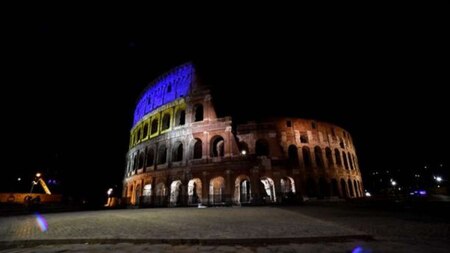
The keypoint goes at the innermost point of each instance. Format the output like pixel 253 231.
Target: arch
pixel 136 162
pixel 177 152
pixel 154 128
pixel 180 117
pixel 354 162
pixel 162 154
pixel 141 160
pixel 262 147
pixel 198 149
pixel 137 198
pixel 344 155
pixel 147 194
pixel 355 186
pixel 306 157
pixel 293 155
pixel 176 193
pixel 216 190
pixel 145 131
pixel 195 191
pixel 334 187
pixel 350 188
pixel 324 188
pixel 287 185
pixel 311 188
pixel 130 195
pixel 243 146
pixel 337 155
pixel 350 160
pixel 344 189
pixel 161 193
pixel 198 112
pixel 318 156
pixel 165 122
pixel 329 156
pixel 269 190
pixel 150 157
pixel 242 189
pixel 217 146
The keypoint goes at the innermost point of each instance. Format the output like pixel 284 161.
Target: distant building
pixel 182 154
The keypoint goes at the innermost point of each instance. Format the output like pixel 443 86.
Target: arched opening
pixel 306 157
pixel 324 188
pixel 242 191
pixel 287 185
pixel 177 152
pixel 268 193
pixel 161 193
pixel 350 160
pixel 145 131
pixel 195 191
pixel 198 149
pixel 198 112
pixel 288 190
pixel 262 147
pixel 311 188
pixel 355 186
pixel 344 155
pixel 138 195
pixel 141 160
pixel 217 147
pixel 217 190
pixel 165 122
pixel 154 129
pixel 130 196
pixel 162 154
pixel 147 194
pixel 350 188
pixel 150 157
pixel 338 157
pixel 176 193
pixel 243 148
pixel 180 118
pixel 318 156
pixel 334 188
pixel 293 155
pixel 329 156
pixel 344 189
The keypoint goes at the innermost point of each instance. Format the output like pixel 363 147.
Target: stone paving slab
pixel 173 223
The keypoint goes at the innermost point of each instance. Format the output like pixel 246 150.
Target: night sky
pixel 70 83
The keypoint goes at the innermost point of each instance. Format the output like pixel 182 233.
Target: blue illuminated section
pixel 168 87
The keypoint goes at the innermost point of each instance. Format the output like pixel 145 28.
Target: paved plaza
pixel 224 229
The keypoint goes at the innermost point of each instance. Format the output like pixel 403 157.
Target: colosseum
pixel 181 153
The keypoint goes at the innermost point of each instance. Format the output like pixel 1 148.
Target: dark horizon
pixel 74 85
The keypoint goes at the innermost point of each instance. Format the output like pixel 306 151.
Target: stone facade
pixel 182 154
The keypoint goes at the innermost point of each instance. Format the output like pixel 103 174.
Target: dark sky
pixel 71 81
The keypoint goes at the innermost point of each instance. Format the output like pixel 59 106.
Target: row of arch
pixel 215 193
pixel 149 157
pixel 347 160
pixel 152 128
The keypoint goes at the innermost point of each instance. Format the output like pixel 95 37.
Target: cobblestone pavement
pixel 172 223
pixel 108 231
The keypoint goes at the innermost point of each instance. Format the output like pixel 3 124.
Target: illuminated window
pixel 180 117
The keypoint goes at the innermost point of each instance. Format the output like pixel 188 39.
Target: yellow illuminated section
pixel 44 186
pixel 137 133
